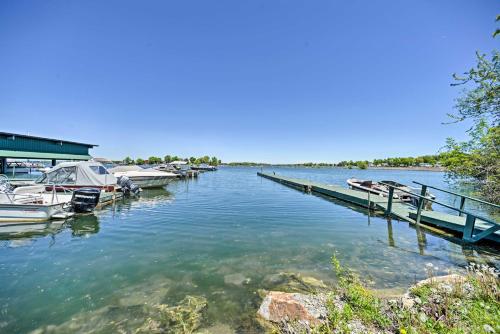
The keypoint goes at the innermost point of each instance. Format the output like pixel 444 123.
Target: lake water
pixel 222 237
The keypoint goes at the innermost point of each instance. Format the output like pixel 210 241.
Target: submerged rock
pixel 217 329
pixel 237 279
pixel 279 306
pixel 294 282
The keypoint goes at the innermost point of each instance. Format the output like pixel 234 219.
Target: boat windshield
pixel 99 170
pixel 65 175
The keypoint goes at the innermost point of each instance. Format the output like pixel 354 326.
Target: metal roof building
pixel 13 145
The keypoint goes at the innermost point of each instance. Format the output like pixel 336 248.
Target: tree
pixel 192 160
pixel 128 161
pixel 139 161
pixel 167 159
pixel 154 160
pixel 214 161
pixel 478 159
pixel 482 101
pixel 362 164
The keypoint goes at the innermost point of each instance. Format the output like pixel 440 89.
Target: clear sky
pixel 261 80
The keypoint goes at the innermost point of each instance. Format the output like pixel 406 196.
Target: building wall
pixel 41 145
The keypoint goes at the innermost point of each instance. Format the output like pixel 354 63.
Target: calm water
pixel 221 236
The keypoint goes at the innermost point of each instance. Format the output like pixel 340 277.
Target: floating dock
pixel 397 208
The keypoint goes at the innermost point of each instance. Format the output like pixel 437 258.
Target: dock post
pixel 3 165
pixel 389 202
pixel 421 201
pixel 470 221
pixel 462 206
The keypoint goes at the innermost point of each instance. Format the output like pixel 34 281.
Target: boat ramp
pixel 469 225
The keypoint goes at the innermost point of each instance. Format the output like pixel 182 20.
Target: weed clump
pixel 447 304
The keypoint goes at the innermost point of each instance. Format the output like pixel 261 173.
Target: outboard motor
pixel 85 200
pixel 128 187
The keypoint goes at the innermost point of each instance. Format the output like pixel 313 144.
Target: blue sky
pixel 274 81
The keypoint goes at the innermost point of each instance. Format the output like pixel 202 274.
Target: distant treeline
pixel 213 161
pixel 421 161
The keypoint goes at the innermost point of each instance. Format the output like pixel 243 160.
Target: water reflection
pixel 27 231
pixel 84 225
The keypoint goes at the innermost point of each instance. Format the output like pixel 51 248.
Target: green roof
pixel 42 155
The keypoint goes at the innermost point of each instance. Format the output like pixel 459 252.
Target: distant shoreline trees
pixel 153 160
pixel 420 161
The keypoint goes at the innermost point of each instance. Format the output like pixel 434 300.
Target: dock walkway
pixel 399 210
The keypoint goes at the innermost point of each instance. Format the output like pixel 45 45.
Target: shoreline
pixel 427 169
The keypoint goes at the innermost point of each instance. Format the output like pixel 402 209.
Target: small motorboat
pixel 144 177
pixel 369 186
pixel 36 204
pixel 401 191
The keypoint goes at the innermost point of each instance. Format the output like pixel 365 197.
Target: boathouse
pixel 18 146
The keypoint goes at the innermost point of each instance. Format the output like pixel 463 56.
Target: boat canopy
pixel 82 173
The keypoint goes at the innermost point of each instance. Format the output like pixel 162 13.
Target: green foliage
pixel 478 159
pixel 467 305
pixel 167 159
pixel 362 164
pixel 192 160
pixel 359 301
pixel 214 161
pixel 154 160
pixel 128 161
pixel 139 161
pixel 482 100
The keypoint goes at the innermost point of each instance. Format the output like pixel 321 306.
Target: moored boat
pixel 401 191
pixel 144 178
pixel 369 186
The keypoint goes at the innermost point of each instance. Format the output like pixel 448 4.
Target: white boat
pixel 79 174
pixel 369 186
pixel 401 191
pixel 144 178
pixel 32 204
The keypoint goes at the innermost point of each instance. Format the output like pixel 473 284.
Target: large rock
pixel 280 307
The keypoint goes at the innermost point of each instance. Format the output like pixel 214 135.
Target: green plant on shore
pixel 459 305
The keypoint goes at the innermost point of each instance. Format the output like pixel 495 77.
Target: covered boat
pixel 144 178
pixel 79 174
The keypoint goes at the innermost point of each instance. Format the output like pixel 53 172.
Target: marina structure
pixel 470 225
pixel 19 146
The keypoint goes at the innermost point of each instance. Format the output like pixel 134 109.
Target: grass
pixel 468 304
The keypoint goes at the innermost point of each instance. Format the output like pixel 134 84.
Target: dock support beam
pixel 421 201
pixel 462 205
pixel 54 162
pixel 3 165
pixel 389 202
pixel 470 221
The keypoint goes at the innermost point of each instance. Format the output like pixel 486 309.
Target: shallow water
pixel 221 237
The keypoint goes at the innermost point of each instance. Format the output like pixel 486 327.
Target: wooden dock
pixel 398 209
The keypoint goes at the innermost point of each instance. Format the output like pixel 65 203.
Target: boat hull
pixel 30 213
pixel 145 182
